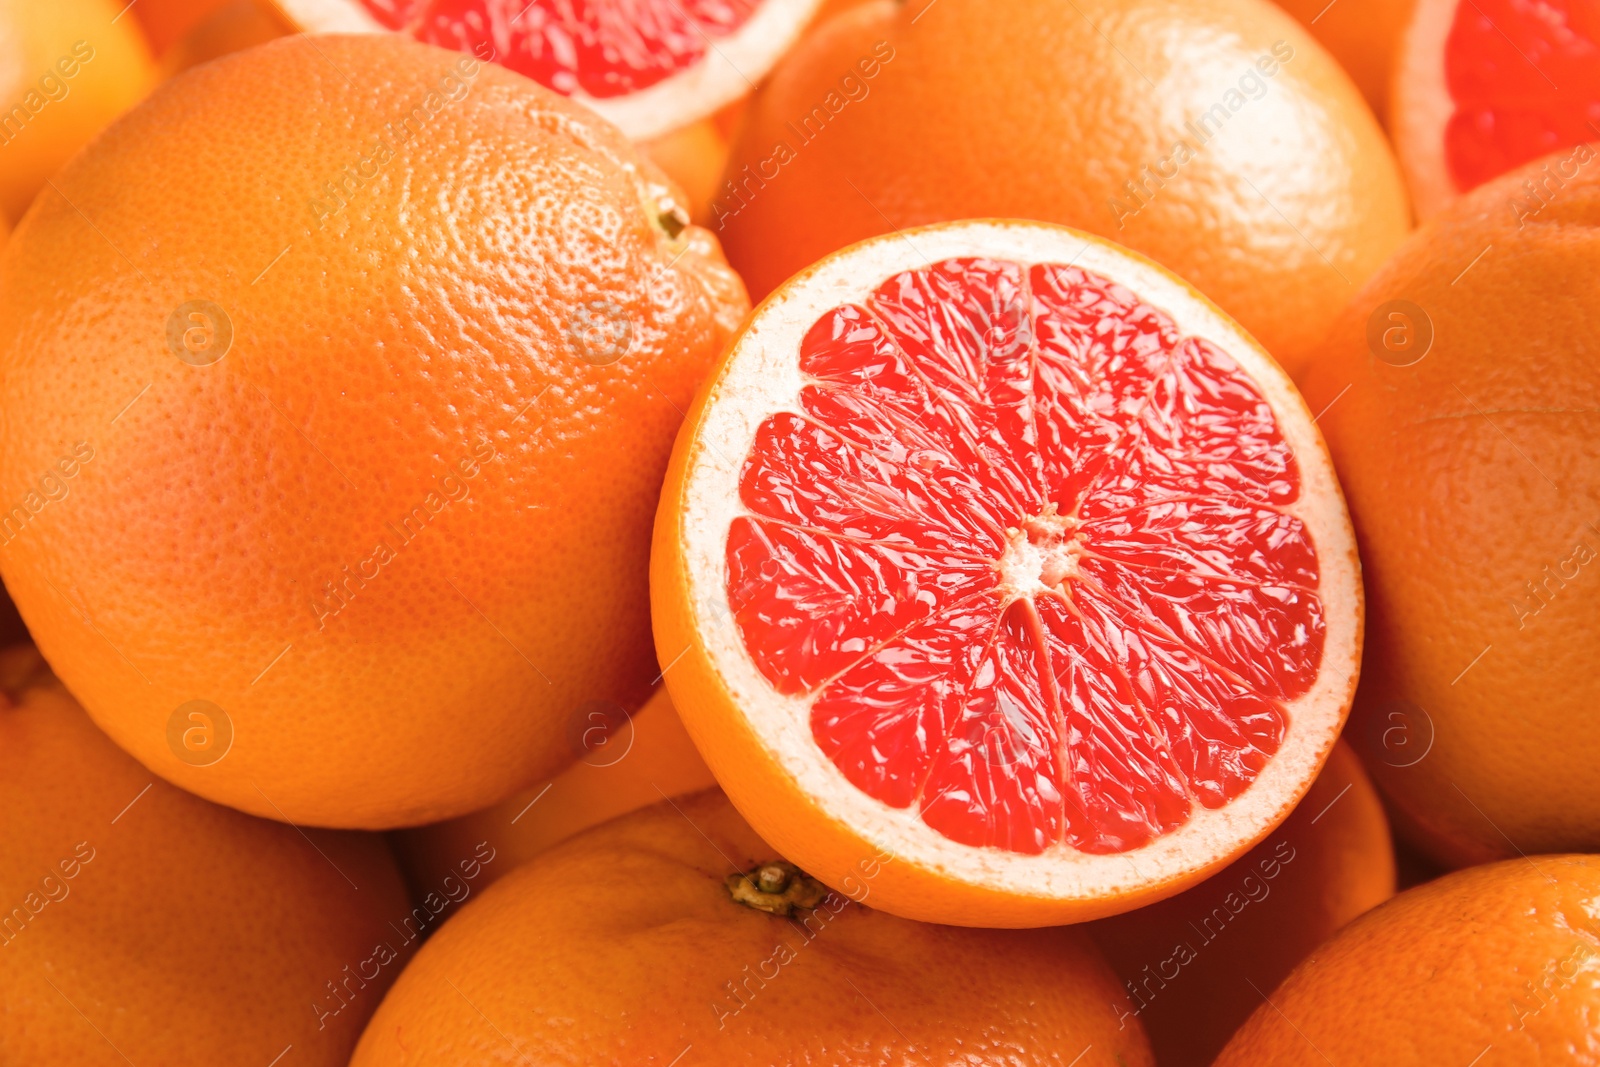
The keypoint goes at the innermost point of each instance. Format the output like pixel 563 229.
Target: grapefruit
pixel 998 549
pixel 1484 86
pixel 362 442
pixel 1195 966
pixel 625 761
pixel 67 68
pixel 1179 128
pixel 650 66
pixel 1461 395
pixel 1498 964
pixel 141 924
pixel 675 935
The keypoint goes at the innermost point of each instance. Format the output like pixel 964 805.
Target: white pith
pixel 732 66
pixel 1421 107
pixel 1040 556
pixel 761 377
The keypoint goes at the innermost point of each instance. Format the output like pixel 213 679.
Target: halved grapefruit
pixel 996 563
pixel 649 66
pixel 1483 86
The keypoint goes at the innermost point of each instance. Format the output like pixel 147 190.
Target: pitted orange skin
pixel 399 531
pixel 954 110
pixel 624 946
pixel 183 932
pixel 1474 488
pixel 1499 958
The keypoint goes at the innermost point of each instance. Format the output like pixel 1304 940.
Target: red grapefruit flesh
pixel 651 66
pixel 602 47
pixel 1047 556
pixel 1485 86
pixel 1146 489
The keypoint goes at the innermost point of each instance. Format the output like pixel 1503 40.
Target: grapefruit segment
pixel 1484 86
pixel 1019 560
pixel 650 66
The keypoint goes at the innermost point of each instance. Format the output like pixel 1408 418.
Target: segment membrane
pixel 604 48
pixel 1025 550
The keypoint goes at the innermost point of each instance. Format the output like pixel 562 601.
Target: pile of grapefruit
pixel 778 532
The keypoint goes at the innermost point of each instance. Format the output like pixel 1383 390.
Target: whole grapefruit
pixel 1215 136
pixel 353 432
pixel 676 935
pixel 1498 964
pixel 141 924
pixel 1461 400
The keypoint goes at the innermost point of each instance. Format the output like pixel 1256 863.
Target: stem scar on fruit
pixel 776 887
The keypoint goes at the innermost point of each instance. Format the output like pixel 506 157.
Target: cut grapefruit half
pixel 1484 86
pixel 999 576
pixel 649 66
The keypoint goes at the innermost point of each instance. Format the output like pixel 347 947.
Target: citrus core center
pixel 1041 555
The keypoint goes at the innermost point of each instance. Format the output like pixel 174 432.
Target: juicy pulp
pixel 1030 556
pixel 1525 79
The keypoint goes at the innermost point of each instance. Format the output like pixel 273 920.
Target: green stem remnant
pixel 776 887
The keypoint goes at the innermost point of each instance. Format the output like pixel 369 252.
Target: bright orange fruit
pixel 140 924
pixel 1000 549
pixel 1461 401
pixel 1500 964
pixel 67 67
pixel 1183 129
pixel 1196 965
pixel 676 936
pixel 362 440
